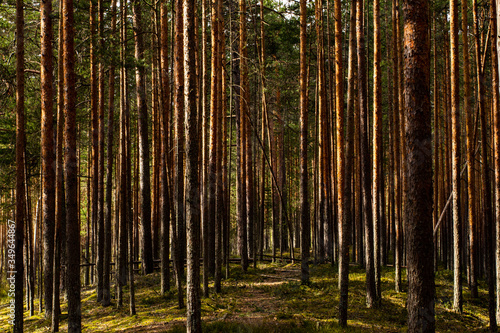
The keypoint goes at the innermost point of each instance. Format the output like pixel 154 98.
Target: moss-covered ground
pixel 270 298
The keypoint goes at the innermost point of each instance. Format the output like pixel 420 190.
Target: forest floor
pixel 270 298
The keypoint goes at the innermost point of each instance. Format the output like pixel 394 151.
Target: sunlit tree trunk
pixel 470 155
pixel 455 159
pixel 418 207
pixel 305 239
pixel 106 288
pixel 377 185
pixel 47 154
pixel 178 71
pixel 178 227
pixel 342 178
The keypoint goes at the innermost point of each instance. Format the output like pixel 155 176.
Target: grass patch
pixel 270 298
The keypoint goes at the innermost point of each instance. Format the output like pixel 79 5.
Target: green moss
pixel 270 298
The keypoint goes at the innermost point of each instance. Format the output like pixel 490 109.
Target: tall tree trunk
pixel 455 159
pixel 377 185
pixel 47 145
pixel 94 109
pixel 397 152
pixel 178 59
pixel 164 184
pixel 106 287
pixel 305 222
pixel 418 208
pixel 71 177
pixel 243 107
pixel 60 213
pixel 20 176
pixel 192 172
pixel 144 175
pixel 342 178
pixel 219 217
pixel 470 155
pixel 488 218
pixel 178 228
pixel 371 295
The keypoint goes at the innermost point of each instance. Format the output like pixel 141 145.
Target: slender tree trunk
pixel 164 184
pixel 179 135
pixel 371 295
pixel 60 213
pixel 455 159
pixel 20 176
pixel 304 186
pixel 192 172
pixel 342 178
pixel 71 180
pixel 144 175
pixel 397 153
pixel 106 287
pixel 488 218
pixel 470 155
pixel 377 184
pixel 178 228
pixel 418 207
pixel 241 95
pixel 47 144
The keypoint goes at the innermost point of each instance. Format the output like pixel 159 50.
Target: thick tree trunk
pixel 71 177
pixel 418 208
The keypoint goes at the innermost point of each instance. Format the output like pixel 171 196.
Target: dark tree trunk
pixel 20 176
pixel 71 177
pixel 418 209
pixel 192 172
pixel 164 185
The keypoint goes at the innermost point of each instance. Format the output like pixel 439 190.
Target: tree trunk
pixel 192 172
pixel 178 228
pixel 144 175
pixel 47 145
pixel 377 185
pixel 342 178
pixel 60 213
pixel 418 208
pixel 20 176
pixel 164 184
pixel 455 159
pixel 106 287
pixel 371 295
pixel 71 177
